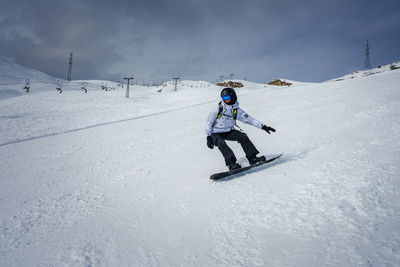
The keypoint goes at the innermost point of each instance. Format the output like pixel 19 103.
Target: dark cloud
pixel 199 39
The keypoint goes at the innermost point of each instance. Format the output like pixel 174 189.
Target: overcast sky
pixel 308 40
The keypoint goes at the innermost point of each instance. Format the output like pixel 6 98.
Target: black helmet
pixel 228 95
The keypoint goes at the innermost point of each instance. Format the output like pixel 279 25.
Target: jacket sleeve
pixel 211 119
pixel 246 118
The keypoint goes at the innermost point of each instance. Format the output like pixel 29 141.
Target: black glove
pixel 210 142
pixel 268 129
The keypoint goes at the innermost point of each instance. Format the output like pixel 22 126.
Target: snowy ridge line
pixel 102 124
pixel 22 83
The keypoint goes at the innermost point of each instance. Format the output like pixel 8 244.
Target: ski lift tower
pixel 127 86
pixel 176 83
pixel 367 63
pixel 69 68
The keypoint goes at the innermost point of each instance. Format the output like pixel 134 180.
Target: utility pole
pixel 367 63
pixel 221 77
pixel 127 86
pixel 176 83
pixel 231 75
pixel 69 68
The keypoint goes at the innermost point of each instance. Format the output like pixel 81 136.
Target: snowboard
pixel 220 175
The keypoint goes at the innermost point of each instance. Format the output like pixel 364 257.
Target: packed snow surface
pixel 97 179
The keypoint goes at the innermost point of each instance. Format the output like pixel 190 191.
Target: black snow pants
pixel 234 135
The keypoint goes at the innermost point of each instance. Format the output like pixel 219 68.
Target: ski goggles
pixel 226 97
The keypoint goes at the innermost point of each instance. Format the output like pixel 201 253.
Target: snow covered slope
pixel 10 72
pixel 183 85
pixel 13 77
pixel 100 180
pixel 365 73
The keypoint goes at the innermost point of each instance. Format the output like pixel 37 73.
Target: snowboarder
pixel 221 126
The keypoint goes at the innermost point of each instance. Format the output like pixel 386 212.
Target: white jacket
pixel 226 122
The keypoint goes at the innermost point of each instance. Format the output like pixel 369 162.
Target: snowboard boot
pixel 254 159
pixel 234 166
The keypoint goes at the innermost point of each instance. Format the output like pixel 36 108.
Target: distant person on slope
pixel 221 126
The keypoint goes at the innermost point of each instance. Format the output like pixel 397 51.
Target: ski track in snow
pixel 90 126
pixel 135 192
